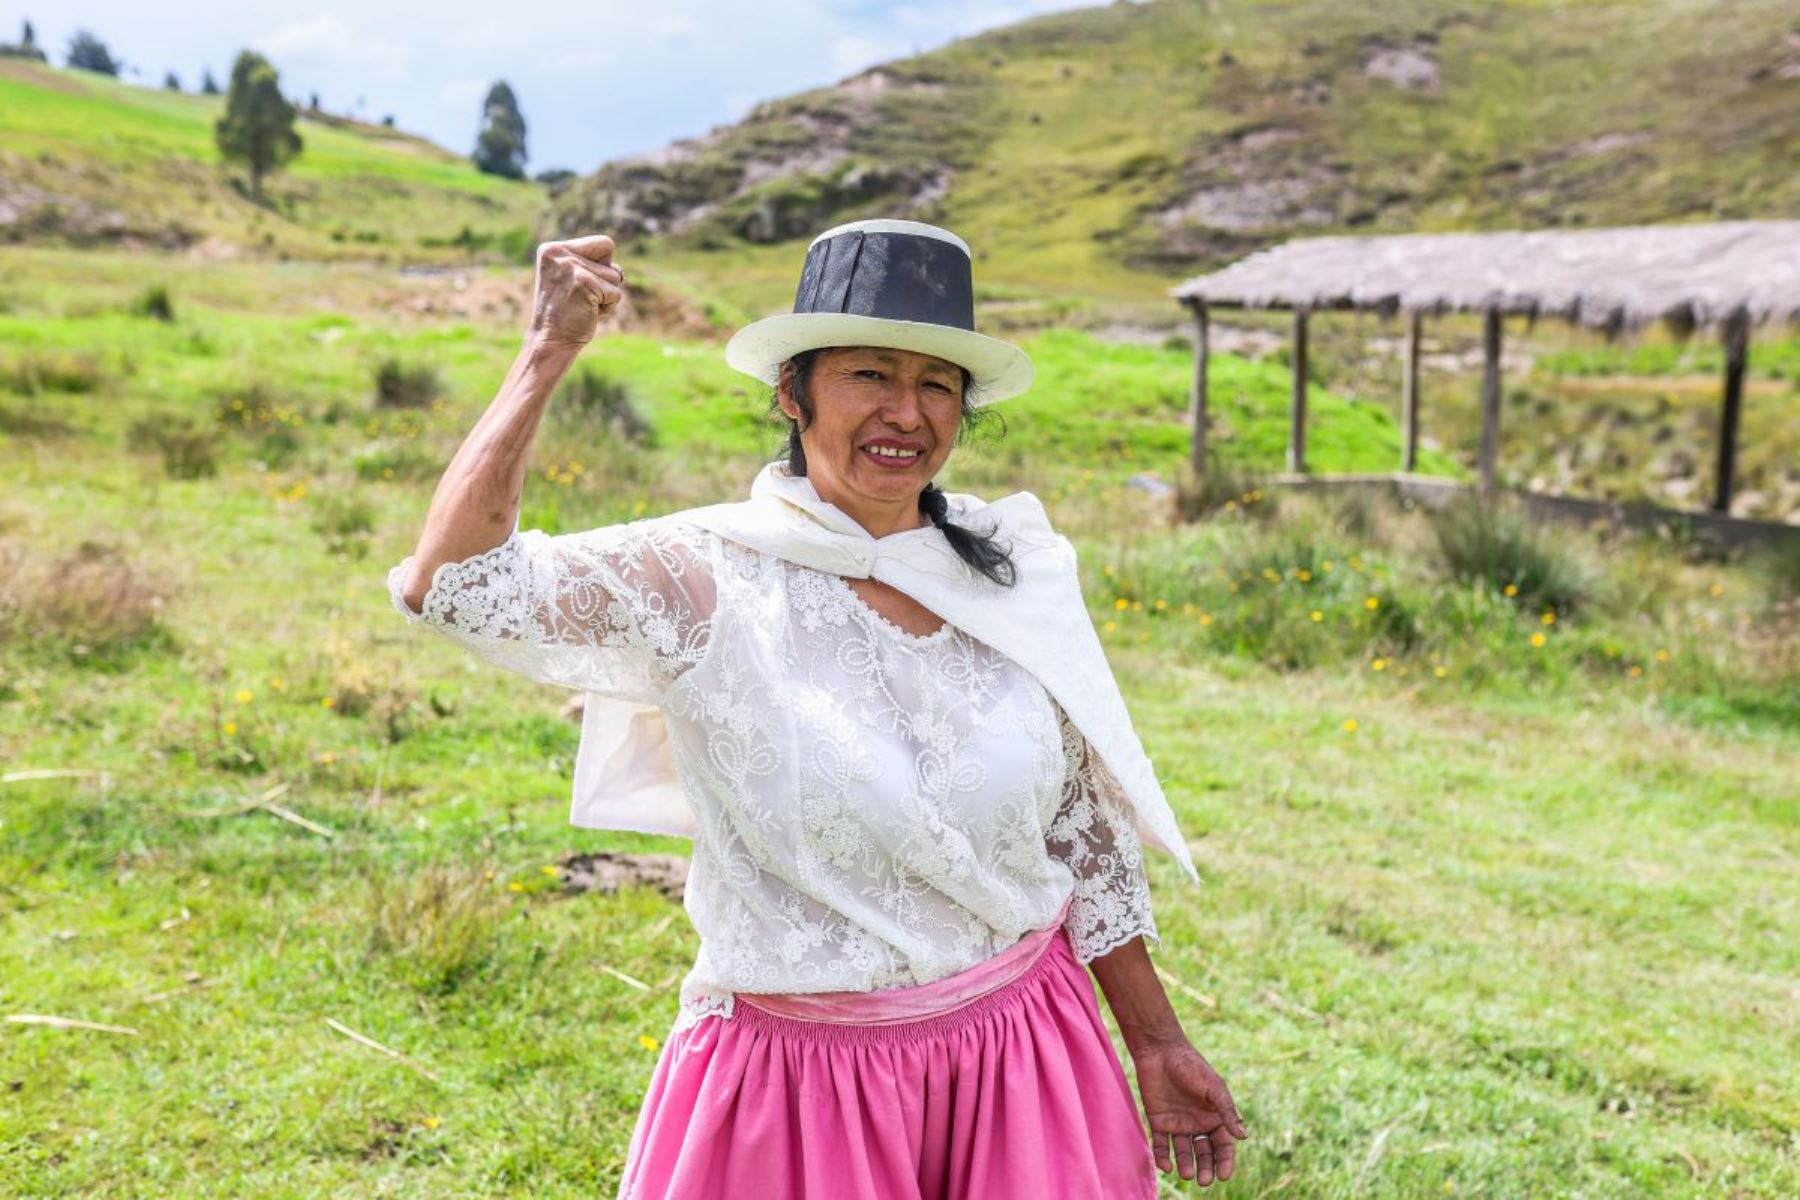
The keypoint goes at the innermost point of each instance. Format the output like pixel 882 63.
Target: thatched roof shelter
pixel 1729 275
pixel 1691 276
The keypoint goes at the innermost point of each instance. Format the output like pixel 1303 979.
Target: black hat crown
pixel 883 269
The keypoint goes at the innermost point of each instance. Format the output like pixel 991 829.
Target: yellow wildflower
pixel 328 702
pixel 1636 671
pixel 1372 603
pixel 1537 639
pixel 326 758
pixel 1717 589
pixel 1109 626
pixel 1379 664
pixel 1511 589
pixel 230 728
pixel 1121 603
pixel 1662 656
pixel 1350 725
pixel 1549 618
pixel 515 886
pixel 1316 615
pixel 1305 576
pixel 549 870
pixel 646 1041
pixel 1206 618
pixel 243 696
pixel 1326 565
pixel 431 1122
pixel 278 684
pixel 1440 672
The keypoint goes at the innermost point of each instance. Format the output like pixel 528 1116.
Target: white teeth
pixel 887 452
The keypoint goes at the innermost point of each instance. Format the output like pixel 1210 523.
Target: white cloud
pixel 326 39
pixel 463 96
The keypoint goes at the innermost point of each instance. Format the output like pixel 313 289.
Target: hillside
pixel 87 160
pixel 1107 150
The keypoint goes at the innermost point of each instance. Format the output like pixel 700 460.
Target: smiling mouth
pixel 893 456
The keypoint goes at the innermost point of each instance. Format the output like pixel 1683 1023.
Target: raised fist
pixel 576 285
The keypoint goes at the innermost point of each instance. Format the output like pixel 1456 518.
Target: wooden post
pixel 1409 398
pixel 1490 404
pixel 1198 404
pixel 1296 455
pixel 1737 355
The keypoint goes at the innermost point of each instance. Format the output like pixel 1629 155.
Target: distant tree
pixel 554 177
pixel 388 120
pixel 314 102
pixel 208 85
pixel 89 53
pixel 171 82
pixel 500 147
pixel 257 128
pixel 25 47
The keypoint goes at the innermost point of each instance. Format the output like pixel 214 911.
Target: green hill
pixel 1108 150
pixel 88 160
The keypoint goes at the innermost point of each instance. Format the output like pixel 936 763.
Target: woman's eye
pixel 869 373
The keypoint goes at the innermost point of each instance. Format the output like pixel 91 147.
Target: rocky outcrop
pixel 790 168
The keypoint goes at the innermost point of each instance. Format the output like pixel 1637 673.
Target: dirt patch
pixel 607 871
pixel 470 295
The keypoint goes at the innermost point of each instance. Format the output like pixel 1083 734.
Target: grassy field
pixel 1498 826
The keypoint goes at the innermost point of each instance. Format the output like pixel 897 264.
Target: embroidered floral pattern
pixel 876 808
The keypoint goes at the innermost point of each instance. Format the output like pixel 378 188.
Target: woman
pixel 881 712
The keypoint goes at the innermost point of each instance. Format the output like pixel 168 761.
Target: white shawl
pixel 625 775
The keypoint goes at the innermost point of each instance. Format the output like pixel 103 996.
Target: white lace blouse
pixel 875 808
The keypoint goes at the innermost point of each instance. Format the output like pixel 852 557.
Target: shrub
pixel 1225 490
pixel 154 303
pixel 273 426
pixel 344 519
pixel 1498 545
pixel 92 603
pixel 594 401
pixel 45 371
pixel 188 452
pixel 398 385
pixel 437 928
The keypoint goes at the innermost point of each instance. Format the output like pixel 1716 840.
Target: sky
pixel 595 81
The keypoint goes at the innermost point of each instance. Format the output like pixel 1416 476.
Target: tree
pixel 500 147
pixel 314 104
pixel 258 126
pixel 26 47
pixel 208 85
pixel 171 82
pixel 89 53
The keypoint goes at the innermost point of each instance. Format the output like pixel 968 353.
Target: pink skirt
pixel 998 1081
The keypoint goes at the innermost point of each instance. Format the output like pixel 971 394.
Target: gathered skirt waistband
pixel 893 1006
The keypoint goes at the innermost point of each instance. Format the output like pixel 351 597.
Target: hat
pixel 898 284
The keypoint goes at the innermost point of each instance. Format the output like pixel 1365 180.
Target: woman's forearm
pixel 1136 997
pixel 476 504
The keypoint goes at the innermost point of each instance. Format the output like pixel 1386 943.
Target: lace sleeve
pixel 1093 835
pixel 622 610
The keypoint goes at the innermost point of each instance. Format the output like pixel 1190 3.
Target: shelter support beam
pixel 1409 397
pixel 1737 357
pixel 1296 455
pixel 1198 406
pixel 1489 455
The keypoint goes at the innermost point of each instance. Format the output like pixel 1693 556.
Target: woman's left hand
pixel 1184 1098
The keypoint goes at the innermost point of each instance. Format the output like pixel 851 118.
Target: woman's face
pixel 868 399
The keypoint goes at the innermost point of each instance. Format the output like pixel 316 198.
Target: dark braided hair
pixel 979 550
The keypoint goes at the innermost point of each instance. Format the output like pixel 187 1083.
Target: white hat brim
pixel 999 370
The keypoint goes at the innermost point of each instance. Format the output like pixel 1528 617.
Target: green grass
pixel 356 190
pixel 1501 916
